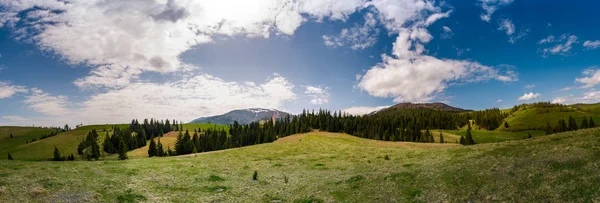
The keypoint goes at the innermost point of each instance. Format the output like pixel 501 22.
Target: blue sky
pixel 111 61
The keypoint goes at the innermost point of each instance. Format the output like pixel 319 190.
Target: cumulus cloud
pixel 185 99
pixel 591 77
pixel 7 90
pixel 122 39
pixel 591 44
pixel 561 45
pixel 530 86
pixel 586 97
pixel 46 103
pixel 529 96
pixel 490 6
pixel 362 110
pixel 410 75
pixel 358 37
pixel 508 26
pixel 318 95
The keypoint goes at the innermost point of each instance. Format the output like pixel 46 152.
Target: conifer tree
pixel 95 150
pixel 591 123
pixel 572 123
pixel 152 149
pixel 462 140
pixel 584 123
pixel 57 155
pixel 548 129
pixel 160 150
pixel 179 144
pixel 441 138
pixel 506 124
pixel 11 136
pixel 122 150
pixel 10 157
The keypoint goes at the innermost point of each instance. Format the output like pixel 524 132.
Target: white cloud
pixel 7 90
pixel 362 110
pixel 122 39
pixel 358 37
pixel 185 99
pixel 47 104
pixel 508 26
pixel 529 96
pixel 562 45
pixel 591 44
pixel 447 33
pixel 586 97
pixel 499 100
pixel 318 95
pixel 14 118
pixel 410 75
pixel 592 79
pixel 490 6
pixel 530 86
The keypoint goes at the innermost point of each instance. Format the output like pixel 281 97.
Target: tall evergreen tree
pixel 57 155
pixel 584 123
pixel 152 149
pixel 122 150
pixel 441 138
pixel 548 129
pixel 506 124
pixel 10 157
pixel 591 123
pixel 160 150
pixel 572 123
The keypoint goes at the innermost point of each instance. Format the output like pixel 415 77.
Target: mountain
pixel 436 106
pixel 242 116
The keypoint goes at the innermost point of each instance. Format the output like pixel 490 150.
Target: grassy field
pixel 20 137
pixel 485 136
pixel 330 168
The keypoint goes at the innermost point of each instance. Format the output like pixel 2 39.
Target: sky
pixel 110 61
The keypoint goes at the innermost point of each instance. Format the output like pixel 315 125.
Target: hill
pixel 536 116
pixel 436 106
pixel 328 167
pixel 242 116
pixel 66 142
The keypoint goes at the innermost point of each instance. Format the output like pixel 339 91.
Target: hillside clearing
pixel 331 168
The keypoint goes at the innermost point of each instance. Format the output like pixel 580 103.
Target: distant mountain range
pixel 242 116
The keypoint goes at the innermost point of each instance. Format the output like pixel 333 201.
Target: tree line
pixel 569 125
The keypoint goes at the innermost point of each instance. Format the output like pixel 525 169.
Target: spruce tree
pixel 95 150
pixel 179 144
pixel 11 136
pixel 505 124
pixel 122 150
pixel 462 140
pixel 160 150
pixel 591 123
pixel 10 157
pixel 152 149
pixel 441 138
pixel 572 123
pixel 584 123
pixel 548 129
pixel 57 155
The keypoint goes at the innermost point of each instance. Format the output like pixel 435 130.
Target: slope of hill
pixel 242 116
pixel 534 117
pixel 328 167
pixel 67 142
pixel 436 106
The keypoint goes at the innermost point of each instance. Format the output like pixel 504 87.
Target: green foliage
pixel 57 156
pixel 152 148
pixel 122 150
pixel 160 150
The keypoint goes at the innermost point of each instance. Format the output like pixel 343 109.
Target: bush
pixel 255 175
pixel 10 157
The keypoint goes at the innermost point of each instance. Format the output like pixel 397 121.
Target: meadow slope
pixel 328 167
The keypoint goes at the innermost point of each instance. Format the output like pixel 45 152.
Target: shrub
pixel 255 175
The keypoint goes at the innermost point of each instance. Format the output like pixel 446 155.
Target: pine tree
pixel 11 136
pixel 57 155
pixel 160 150
pixel 529 135
pixel 152 149
pixel 179 144
pixel 591 123
pixel 441 138
pixel 462 140
pixel 505 124
pixel 122 150
pixel 95 150
pixel 469 138
pixel 584 123
pixel 572 123
pixel 548 129
pixel 10 157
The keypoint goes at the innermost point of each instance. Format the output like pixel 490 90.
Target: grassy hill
pixel 328 167
pixel 67 142
pixel 530 118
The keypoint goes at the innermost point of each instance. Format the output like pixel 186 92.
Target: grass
pixel 486 136
pixel 535 118
pixel 556 168
pixel 67 142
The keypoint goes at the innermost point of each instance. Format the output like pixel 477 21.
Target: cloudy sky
pixel 108 61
